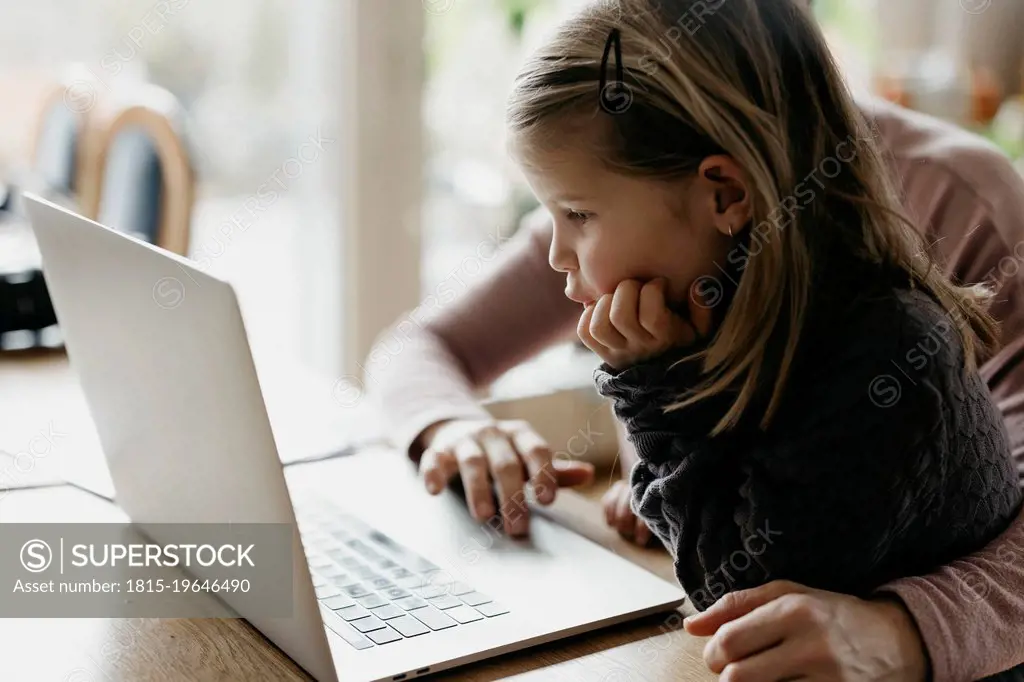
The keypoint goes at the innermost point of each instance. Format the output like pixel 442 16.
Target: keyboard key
pixel 333 571
pixel 338 602
pixel 381 583
pixel 475 598
pixel 436 576
pixel 490 610
pixel 433 619
pixel 353 612
pixel 411 582
pixel 396 593
pixel 386 564
pixel 387 612
pixel 346 632
pixel 463 614
pixel 410 603
pixel 385 636
pixel 446 601
pixel 408 626
pixel 364 572
pixel 344 580
pixel 357 590
pixel 349 561
pixel 399 573
pixel 423 566
pixel 373 623
pixel 325 591
pixel 372 601
pixel 431 591
pixel 460 589
pixel 318 580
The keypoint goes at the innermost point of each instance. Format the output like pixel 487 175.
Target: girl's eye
pixel 577 216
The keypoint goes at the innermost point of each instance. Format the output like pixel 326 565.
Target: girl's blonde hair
pixel 752 79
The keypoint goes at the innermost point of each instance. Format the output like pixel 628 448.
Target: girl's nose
pixel 561 256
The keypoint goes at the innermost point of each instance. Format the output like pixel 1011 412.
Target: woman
pixel 456 351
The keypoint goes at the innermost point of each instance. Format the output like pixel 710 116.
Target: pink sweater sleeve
pixel 971 611
pixel 969 202
pixel 430 364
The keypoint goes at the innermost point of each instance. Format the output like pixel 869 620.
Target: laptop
pixel 389 583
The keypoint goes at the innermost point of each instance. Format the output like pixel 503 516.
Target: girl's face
pixel 610 227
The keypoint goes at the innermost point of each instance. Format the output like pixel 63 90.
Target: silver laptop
pixel 389 582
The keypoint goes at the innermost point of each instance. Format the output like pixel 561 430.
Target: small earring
pixel 730 232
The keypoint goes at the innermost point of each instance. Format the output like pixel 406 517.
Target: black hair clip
pixel 615 97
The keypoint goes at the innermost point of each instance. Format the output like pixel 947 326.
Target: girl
pixel 799 381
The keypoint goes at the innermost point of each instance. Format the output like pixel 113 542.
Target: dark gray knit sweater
pixel 886 459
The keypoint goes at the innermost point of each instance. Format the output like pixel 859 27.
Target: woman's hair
pixel 752 79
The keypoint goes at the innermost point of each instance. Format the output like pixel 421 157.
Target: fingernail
pixel 484 512
pixel 432 487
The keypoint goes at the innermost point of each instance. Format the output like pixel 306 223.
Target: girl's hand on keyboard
pixel 634 323
pixel 497 457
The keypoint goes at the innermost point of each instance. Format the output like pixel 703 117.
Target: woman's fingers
pixel 437 467
pixel 737 604
pixel 507 471
pixel 787 660
pixel 538 457
pixel 571 473
pixel 473 467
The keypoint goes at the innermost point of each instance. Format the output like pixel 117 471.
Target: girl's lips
pixel 578 298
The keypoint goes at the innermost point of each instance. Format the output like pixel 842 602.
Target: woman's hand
pixel 783 631
pixel 506 452
pixel 619 515
pixel 634 323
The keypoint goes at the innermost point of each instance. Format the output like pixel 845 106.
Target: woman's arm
pixel 970 612
pixel 427 367
pixel 965 616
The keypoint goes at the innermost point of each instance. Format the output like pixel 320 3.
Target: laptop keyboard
pixel 374 591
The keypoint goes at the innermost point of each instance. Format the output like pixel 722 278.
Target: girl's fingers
pixel 642 534
pixel 625 522
pixel 625 313
pixel 610 501
pixel 583 331
pixel 656 318
pixel 601 327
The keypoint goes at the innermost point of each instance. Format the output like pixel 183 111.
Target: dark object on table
pixel 25 302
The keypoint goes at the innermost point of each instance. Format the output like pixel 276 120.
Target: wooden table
pixel 164 650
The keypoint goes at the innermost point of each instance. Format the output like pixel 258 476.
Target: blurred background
pixel 347 157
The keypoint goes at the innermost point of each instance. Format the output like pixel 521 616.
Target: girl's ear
pixel 728 193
